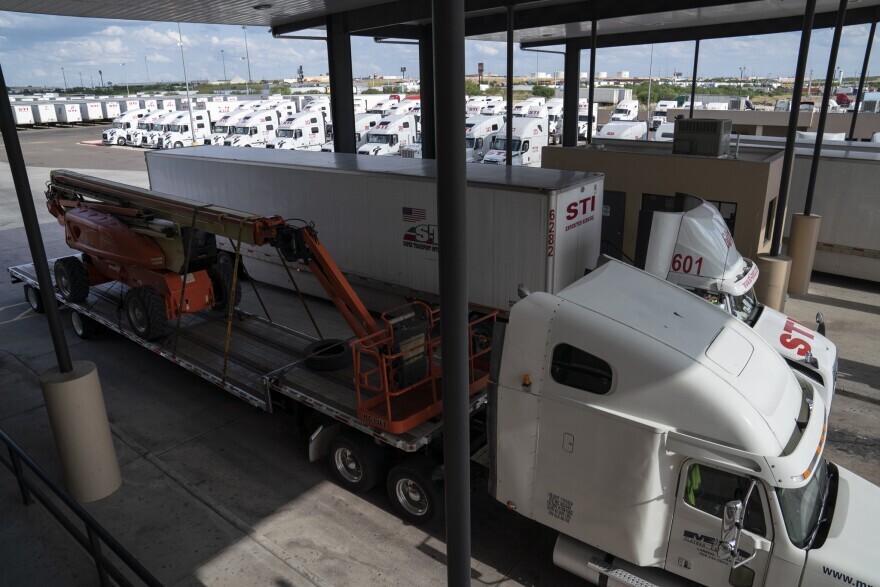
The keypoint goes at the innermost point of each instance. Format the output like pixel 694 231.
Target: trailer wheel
pixel 32 297
pixel 72 279
pixel 146 312
pixel 178 145
pixel 357 464
pixel 415 496
pixel 83 326
pixel 120 141
pixel 221 283
pixel 329 354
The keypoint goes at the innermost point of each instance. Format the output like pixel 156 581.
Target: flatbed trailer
pixel 265 360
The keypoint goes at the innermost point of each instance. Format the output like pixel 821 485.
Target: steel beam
pixel 858 104
pixel 426 91
pixel 570 96
pixel 788 157
pixel 453 262
pixel 508 159
pixel 341 96
pixel 592 81
pixel 823 112
pixel 32 229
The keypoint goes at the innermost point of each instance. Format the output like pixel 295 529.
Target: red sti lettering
pixel 789 340
pixel 583 206
pixel 728 240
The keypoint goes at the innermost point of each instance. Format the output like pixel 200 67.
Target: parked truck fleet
pixel 666 441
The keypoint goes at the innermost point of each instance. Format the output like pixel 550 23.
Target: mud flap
pixel 319 441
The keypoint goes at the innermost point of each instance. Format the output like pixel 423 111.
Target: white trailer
pixel 23 114
pixel 529 138
pixel 44 113
pixel 624 130
pixel 391 204
pixel 129 104
pixel 110 109
pixel 68 112
pixel 91 111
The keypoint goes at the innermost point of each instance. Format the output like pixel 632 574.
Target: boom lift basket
pixel 397 370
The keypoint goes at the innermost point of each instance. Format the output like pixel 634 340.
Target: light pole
pixel 101 75
pixel 223 57
pixel 147 66
pixel 92 78
pixel 741 72
pixel 192 130
pixel 81 84
pixel 64 77
pixel 247 58
pixel 125 79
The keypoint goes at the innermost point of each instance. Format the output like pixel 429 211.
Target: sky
pixel 35 48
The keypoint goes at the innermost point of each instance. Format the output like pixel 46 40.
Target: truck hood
pixel 374 149
pixel 793 341
pixel 849 554
pixel 500 157
pixel 236 140
pixel 280 144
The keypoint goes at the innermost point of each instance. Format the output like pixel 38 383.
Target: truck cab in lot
pixel 157 130
pixel 224 127
pixel 184 131
pixel 479 133
pixel 529 137
pixel 387 137
pixel 253 130
pixel 669 444
pixel 300 132
pixel 363 124
pixel 134 136
pixel 115 135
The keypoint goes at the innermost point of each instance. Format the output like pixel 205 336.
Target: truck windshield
pixel 118 125
pixel 802 508
pixel 383 139
pixel 745 306
pixel 583 118
pixel 143 125
pixel 177 127
pixel 660 113
pixel 469 143
pixel 501 145
pixel 284 133
pixel 621 111
pixel 156 126
pixel 221 130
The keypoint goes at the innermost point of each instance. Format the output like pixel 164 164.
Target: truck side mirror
pixel 730 524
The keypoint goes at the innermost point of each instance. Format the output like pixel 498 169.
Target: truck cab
pixel 658 117
pixel 529 137
pixel 554 114
pixel 224 127
pixel 115 135
pixel 625 130
pixel 300 132
pixel 584 119
pixel 390 135
pixel 702 464
pixel 693 248
pixel 253 130
pixel 363 124
pixel 494 109
pixel 479 134
pixel 157 130
pixel 134 136
pixel 626 110
pixel 186 130
pixel 384 107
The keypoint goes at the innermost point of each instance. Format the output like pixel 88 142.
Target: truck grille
pixel 159 143
pixel 270 146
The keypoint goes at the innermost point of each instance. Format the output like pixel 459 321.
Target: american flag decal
pixel 413 214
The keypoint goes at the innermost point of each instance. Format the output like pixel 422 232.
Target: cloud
pixel 112 31
pixel 158 58
pixel 152 38
pixel 486 49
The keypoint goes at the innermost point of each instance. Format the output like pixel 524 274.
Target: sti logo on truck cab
pixel 791 341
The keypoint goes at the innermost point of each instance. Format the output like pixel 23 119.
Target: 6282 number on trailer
pixel 686 264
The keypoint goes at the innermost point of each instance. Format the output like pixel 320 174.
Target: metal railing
pixel 95 534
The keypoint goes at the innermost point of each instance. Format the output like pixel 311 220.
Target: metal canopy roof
pixel 538 22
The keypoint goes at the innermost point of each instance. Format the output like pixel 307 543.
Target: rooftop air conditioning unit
pixel 709 137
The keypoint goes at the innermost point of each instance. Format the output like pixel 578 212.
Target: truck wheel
pixel 329 354
pixel 72 279
pixel 226 258
pixel 221 283
pixel 32 297
pixel 120 141
pixel 357 464
pixel 416 497
pixel 178 145
pixel 83 326
pixel 146 312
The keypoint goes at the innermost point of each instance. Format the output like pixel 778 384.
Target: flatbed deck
pixel 264 358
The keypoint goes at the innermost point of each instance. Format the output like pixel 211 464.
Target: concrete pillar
pixel 802 239
pixel 772 286
pixel 82 433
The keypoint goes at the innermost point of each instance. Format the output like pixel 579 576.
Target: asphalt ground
pixel 216 492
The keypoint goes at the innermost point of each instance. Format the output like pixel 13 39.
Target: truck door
pixel 696 528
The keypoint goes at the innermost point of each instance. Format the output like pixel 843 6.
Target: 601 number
pixel 686 264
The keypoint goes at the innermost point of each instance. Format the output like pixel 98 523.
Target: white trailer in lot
pixel 91 111
pixel 110 109
pixel 44 113
pixel 68 112
pixel 535 227
pixel 23 114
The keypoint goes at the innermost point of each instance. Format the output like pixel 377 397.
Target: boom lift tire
pixel 221 282
pixel 32 297
pixel 146 313
pixel 226 258
pixel 329 354
pixel 415 496
pixel 83 326
pixel 72 279
pixel 357 463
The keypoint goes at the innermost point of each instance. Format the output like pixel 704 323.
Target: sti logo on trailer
pixel 419 236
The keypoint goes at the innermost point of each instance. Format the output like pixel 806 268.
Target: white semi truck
pixel 304 131
pixel 158 130
pixel 693 248
pixel 665 441
pixel 479 133
pixel 626 110
pixel 115 135
pixel 253 130
pixel 225 126
pixel 134 137
pixel 363 124
pixel 529 137
pixel 183 130
pixel 387 137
